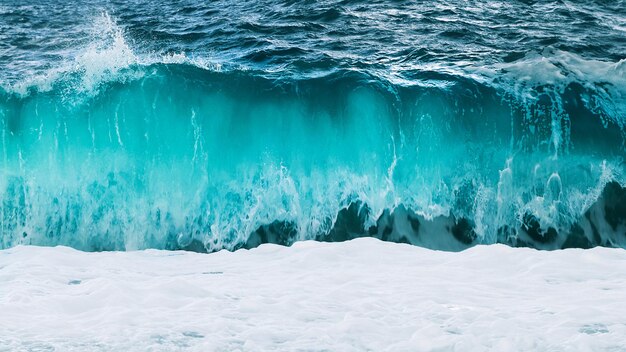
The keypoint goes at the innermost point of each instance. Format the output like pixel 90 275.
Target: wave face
pixel 132 139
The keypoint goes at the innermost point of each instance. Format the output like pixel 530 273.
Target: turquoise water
pixel 129 125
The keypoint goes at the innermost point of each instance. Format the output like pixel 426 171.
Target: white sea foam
pixel 362 295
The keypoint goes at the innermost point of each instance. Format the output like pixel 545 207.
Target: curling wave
pixel 178 156
pixel 117 150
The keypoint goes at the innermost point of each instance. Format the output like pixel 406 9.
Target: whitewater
pixel 360 295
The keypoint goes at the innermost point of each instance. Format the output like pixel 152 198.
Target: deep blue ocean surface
pixel 221 125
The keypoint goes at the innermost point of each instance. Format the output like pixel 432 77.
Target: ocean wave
pixel 120 150
pixel 181 155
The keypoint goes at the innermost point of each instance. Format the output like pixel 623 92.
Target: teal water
pixel 127 125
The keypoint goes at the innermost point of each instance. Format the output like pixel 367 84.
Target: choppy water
pixel 182 124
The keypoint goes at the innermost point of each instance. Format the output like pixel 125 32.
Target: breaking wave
pixel 123 151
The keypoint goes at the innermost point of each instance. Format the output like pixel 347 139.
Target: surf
pixel 118 150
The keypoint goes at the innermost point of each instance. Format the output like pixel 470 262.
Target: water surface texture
pixel 221 125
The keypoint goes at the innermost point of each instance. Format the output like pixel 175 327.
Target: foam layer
pixel 353 296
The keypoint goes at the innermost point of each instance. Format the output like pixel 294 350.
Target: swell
pixel 177 156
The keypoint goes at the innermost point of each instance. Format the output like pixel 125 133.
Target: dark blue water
pixel 132 124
